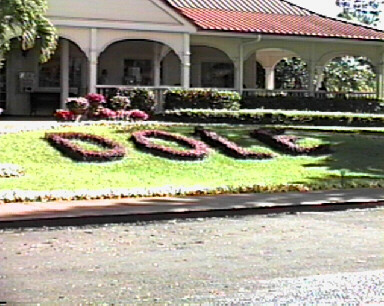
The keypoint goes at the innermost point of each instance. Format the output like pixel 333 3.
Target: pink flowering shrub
pixel 142 139
pixel 287 143
pixel 95 99
pixel 228 147
pixel 63 143
pixel 138 115
pixel 106 113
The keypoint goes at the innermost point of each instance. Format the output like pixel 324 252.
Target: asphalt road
pixel 327 257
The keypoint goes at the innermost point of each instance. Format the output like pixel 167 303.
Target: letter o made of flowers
pixel 197 149
pixel 63 143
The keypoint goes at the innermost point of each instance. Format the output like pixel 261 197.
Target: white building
pixel 186 43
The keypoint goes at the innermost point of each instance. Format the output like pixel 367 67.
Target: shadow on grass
pixel 354 155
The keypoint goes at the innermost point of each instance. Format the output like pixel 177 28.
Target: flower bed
pixel 287 143
pixel 62 142
pixel 198 150
pixel 228 147
pixel 9 170
pixel 93 107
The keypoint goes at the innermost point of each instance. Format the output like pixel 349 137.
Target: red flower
pixel 65 115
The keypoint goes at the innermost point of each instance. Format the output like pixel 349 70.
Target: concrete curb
pixel 134 209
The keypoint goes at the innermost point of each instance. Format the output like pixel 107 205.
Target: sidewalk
pixel 152 207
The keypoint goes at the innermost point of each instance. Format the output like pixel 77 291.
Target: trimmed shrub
pixel 140 98
pixel 198 150
pixel 287 143
pixel 228 147
pixel 272 117
pixel 202 98
pixel 63 143
pixel 314 104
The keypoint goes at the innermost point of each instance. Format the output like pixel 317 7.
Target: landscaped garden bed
pixel 314 104
pixel 48 174
pixel 272 117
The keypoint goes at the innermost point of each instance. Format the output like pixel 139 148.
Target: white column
pixel 64 71
pixel 186 62
pixel 250 72
pixel 156 65
pixel 319 76
pixel 311 77
pixel 84 78
pixel 270 78
pixel 196 74
pixel 92 78
pixel 380 81
pixel 239 70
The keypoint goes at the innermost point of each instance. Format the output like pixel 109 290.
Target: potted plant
pixel 78 106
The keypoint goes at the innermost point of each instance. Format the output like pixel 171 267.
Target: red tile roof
pixel 277 17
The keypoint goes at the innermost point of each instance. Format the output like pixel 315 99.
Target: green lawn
pixel 359 156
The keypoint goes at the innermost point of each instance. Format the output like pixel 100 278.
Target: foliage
pixel 119 103
pixel 92 107
pixel 274 117
pixel 337 104
pixel 197 149
pixel 26 20
pixel 201 98
pixel 364 11
pixel 140 98
pixel 345 74
pixel 230 148
pixel 291 73
pixel 64 143
pixel 288 143
pixel 350 74
pixel 74 104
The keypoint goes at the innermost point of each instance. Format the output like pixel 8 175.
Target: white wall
pixel 201 54
pixel 118 10
pixel 171 70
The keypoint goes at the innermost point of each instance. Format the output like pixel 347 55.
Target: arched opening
pixel 50 76
pixel 38 89
pixel 211 68
pixel 291 73
pixel 260 76
pixel 349 74
pixel 139 63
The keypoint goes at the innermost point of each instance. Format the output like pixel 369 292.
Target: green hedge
pixel 314 104
pixel 273 117
pixel 202 98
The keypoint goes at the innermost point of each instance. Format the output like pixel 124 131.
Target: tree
pixel 26 21
pixel 354 73
pixel 364 11
pixel 350 74
pixel 291 73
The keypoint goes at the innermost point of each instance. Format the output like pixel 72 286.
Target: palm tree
pixel 26 20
